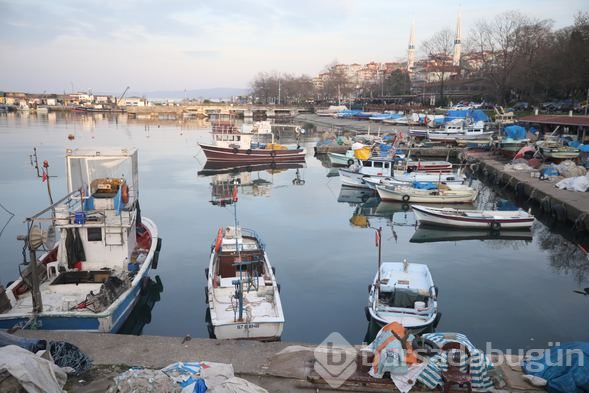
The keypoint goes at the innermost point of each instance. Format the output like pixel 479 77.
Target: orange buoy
pixel 125 193
pixel 219 240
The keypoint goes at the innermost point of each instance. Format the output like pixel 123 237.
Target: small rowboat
pixel 493 219
pixel 443 194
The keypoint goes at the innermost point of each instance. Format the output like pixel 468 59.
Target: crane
pixel 122 95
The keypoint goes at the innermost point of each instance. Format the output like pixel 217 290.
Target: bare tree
pixel 498 41
pixel 281 88
pixel 439 50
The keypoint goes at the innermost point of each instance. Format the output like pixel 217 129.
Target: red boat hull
pixel 224 154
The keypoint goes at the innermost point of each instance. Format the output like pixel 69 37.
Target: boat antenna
pixel 238 257
pixel 378 233
pixel 44 174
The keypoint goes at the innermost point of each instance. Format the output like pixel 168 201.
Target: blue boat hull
pixel 91 323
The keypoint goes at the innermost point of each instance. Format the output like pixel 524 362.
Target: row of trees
pixel 514 57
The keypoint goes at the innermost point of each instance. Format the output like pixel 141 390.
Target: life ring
pixel 350 162
pixel 495 225
pixel 219 240
pixel 406 198
pixel 125 193
pixel 235 150
pixel 249 151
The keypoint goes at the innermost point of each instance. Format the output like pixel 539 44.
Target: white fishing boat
pixel 554 149
pixel 442 194
pixel 459 129
pixel 461 218
pixel 338 159
pixel 407 178
pixel 380 167
pixel 405 293
pixel 242 293
pixel 98 250
pixel 231 145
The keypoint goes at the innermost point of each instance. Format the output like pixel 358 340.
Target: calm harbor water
pixel 515 293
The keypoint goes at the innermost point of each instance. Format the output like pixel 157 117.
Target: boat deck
pixel 56 298
pixel 258 304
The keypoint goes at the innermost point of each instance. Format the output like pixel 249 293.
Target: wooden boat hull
pixel 337 159
pixel 263 319
pixel 108 321
pixel 259 331
pixel 409 315
pixel 223 154
pixel 410 195
pixel 487 220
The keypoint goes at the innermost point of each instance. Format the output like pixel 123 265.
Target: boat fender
pixel 155 260
pixel 367 313
pixel 425 347
pixel 206 295
pixel 369 288
pixel 273 270
pixel 235 150
pixel 350 162
pixel 495 225
pixel 249 151
pixel 273 153
pixel 207 273
pixel 406 198
pixel 437 320
pixel 144 285
pixel 125 193
pixel 219 240
pixel 278 286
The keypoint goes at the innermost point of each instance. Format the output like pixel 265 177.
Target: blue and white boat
pixel 98 250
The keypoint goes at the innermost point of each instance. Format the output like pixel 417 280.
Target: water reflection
pixel 565 257
pixel 141 314
pixel 368 205
pixel 426 234
pixel 252 179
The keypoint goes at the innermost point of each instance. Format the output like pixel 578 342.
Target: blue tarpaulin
pixel 424 185
pixel 475 114
pixel 506 205
pixel 515 132
pixel 564 367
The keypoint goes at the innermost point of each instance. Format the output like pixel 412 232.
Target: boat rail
pixel 254 234
pixel 63 213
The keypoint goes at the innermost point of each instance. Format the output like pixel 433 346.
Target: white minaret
pixel 457 44
pixel 411 49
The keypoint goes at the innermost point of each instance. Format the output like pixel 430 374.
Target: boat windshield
pixel 83 167
pixel 403 298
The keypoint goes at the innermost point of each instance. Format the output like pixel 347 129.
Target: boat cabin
pixel 250 258
pixel 229 136
pixel 376 166
pixel 101 213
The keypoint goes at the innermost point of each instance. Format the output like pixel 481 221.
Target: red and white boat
pixel 493 219
pixel 232 145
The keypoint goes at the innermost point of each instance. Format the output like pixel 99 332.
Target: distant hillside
pixel 213 93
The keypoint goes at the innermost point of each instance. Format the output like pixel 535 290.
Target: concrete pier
pixel 278 367
pixel 562 205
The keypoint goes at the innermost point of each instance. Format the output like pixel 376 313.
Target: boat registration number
pixel 248 326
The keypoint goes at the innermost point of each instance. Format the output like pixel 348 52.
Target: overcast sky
pixel 106 45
